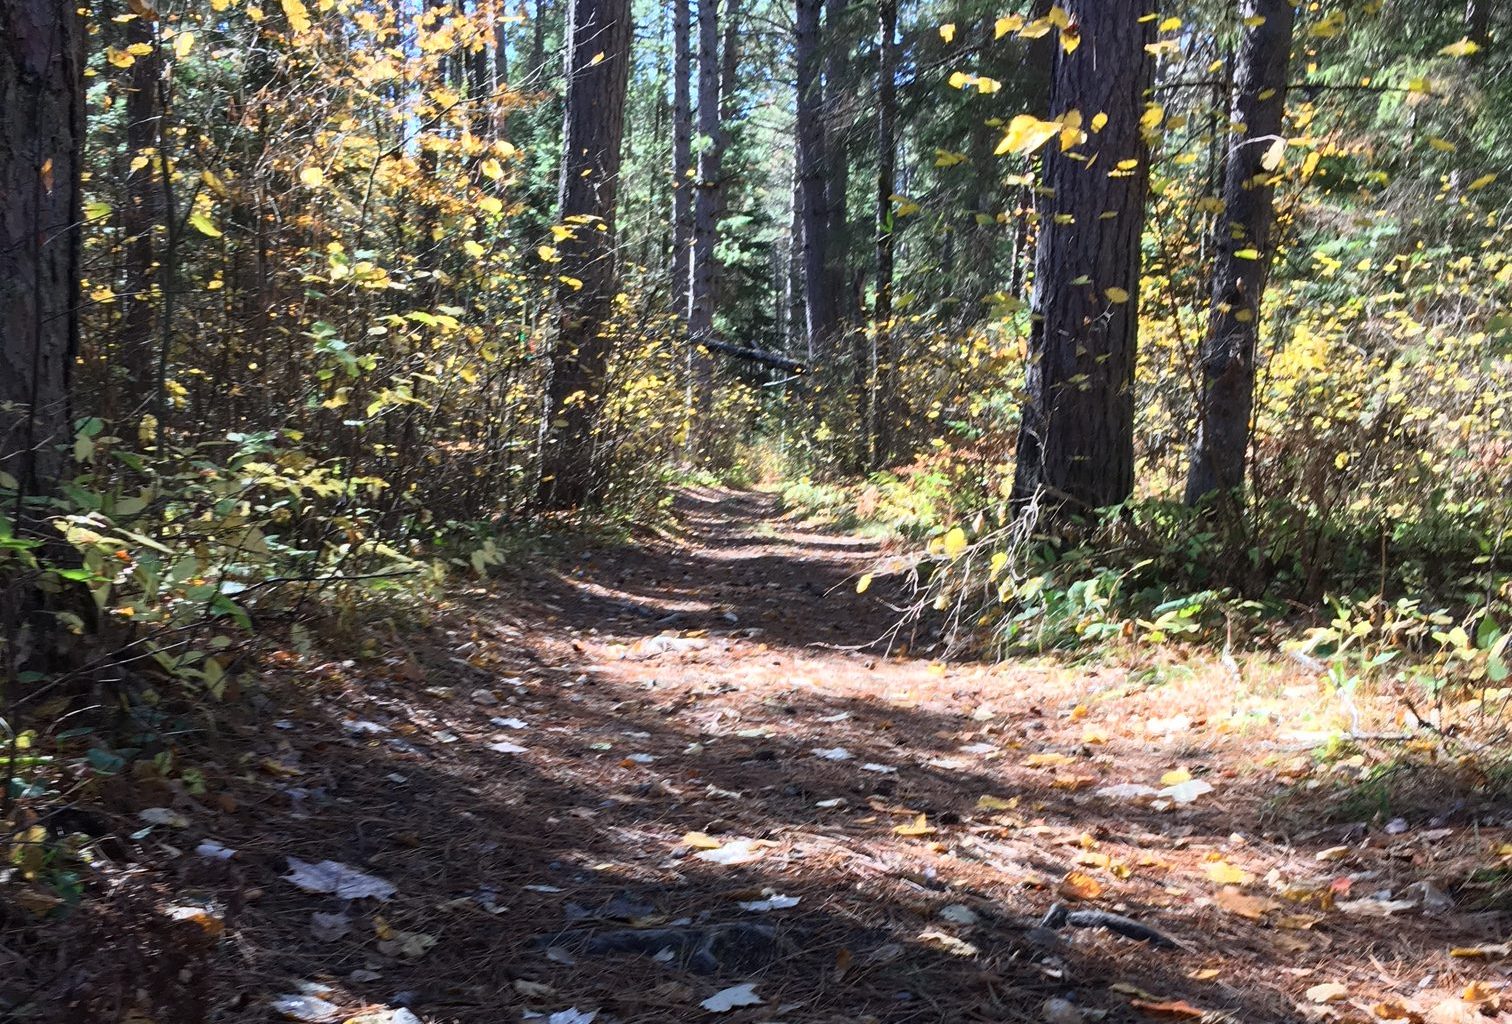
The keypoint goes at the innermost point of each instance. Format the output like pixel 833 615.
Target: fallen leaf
pixel 335 878
pixel 775 902
pixel 1223 873
pixel 163 816
pixel 1047 760
pixel 920 826
pixel 701 841
pixel 1186 792
pixel 1253 907
pixel 995 803
pixel 572 1016
pixel 1370 907
pixel 741 851
pixel 1079 885
pixel 1328 992
pixel 948 943
pixel 728 999
pixel 307 1009
pixel 1490 950
pixel 1175 777
pixel 1168 1008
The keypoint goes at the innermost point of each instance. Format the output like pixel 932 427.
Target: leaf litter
pixel 940 865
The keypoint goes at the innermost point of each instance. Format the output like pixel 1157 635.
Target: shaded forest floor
pixel 525 770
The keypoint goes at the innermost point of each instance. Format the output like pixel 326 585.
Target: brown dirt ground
pixel 682 684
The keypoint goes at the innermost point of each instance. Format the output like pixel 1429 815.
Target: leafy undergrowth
pixel 664 781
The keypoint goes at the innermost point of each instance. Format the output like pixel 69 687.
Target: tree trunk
pixel 818 300
pixel 887 156
pixel 703 272
pixel 1076 440
pixel 597 67
pixel 138 216
pixel 42 113
pixel 1478 21
pixel 838 125
pixel 682 152
pixel 1242 251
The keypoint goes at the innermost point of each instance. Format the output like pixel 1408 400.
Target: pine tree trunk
pixel 41 140
pixel 703 272
pixel 1242 248
pixel 597 67
pixel 887 156
pixel 818 300
pixel 682 152
pixel 137 219
pixel 837 132
pixel 1076 440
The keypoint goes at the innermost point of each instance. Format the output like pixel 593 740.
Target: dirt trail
pixel 528 765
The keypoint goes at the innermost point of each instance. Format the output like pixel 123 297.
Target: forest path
pixel 528 764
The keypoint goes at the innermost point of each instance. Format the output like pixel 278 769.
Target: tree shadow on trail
pixel 527 775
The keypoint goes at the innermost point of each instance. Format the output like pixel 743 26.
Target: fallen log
pixel 754 355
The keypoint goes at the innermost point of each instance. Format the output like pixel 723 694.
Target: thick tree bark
pixel 818 300
pixel 710 157
pixel 703 272
pixel 838 127
pixel 682 152
pixel 597 68
pixel 887 155
pixel 1243 249
pixel 1076 441
pixel 139 214
pixel 41 140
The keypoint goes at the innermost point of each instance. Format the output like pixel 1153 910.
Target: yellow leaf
pixel 1224 873
pixel 492 168
pixel 947 31
pixel 995 803
pixel 1116 295
pixel 1464 48
pixel 1175 777
pixel 1012 23
pixel 1442 145
pixel 955 543
pixel 119 58
pixel 490 204
pixel 987 86
pixel 1247 254
pixel 472 248
pixel 1070 39
pixel 204 225
pixel 298 15
pixel 1151 118
pixel 1271 158
pixel 598 58
pixel 863 583
pixel 312 176
pixel 548 254
pixel 920 826
pixel 701 841
pixel 182 44
pixel 1171 24
pixel 1482 182
pixel 1036 29
pixel 1027 133
pixel 1254 21
pixel 1099 121
pixel 960 79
